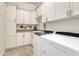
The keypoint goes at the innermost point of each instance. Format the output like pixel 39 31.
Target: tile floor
pixel 20 51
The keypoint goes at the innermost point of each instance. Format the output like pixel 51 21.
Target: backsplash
pixel 26 27
pixel 65 26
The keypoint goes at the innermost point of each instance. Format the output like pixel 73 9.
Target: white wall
pixel 67 25
pixel 2 28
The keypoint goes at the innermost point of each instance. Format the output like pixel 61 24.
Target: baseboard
pixel 1 54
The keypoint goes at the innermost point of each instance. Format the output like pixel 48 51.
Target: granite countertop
pixel 34 31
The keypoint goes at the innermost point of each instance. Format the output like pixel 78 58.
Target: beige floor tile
pixel 21 51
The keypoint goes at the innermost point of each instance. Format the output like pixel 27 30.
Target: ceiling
pixel 26 5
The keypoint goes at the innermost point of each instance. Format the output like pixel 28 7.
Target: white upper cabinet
pixel 2 9
pixel 39 11
pixel 75 8
pixel 2 25
pixel 11 12
pixel 47 10
pixel 54 10
pixel 51 11
pixel 26 17
pixel 44 12
pixel 62 9
pixel 33 17
pixel 19 18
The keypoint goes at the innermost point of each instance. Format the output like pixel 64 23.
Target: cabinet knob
pixel 71 12
pixel 44 52
pixel 32 36
pixel 23 35
pixel 67 13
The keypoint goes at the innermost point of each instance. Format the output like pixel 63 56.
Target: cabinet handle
pixel 23 36
pixel 15 20
pixel 44 52
pixel 71 12
pixel 32 36
pixel 67 13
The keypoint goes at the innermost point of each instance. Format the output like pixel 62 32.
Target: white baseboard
pixel 2 52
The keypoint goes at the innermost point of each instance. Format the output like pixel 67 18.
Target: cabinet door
pixel 26 17
pixel 19 38
pixel 75 8
pixel 11 27
pixel 36 45
pixel 2 25
pixel 39 11
pixel 61 9
pixel 2 9
pixel 11 12
pixel 19 17
pixel 11 41
pixel 51 11
pixel 49 50
pixel 44 12
pixel 27 38
pixel 33 18
pixel 2 34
